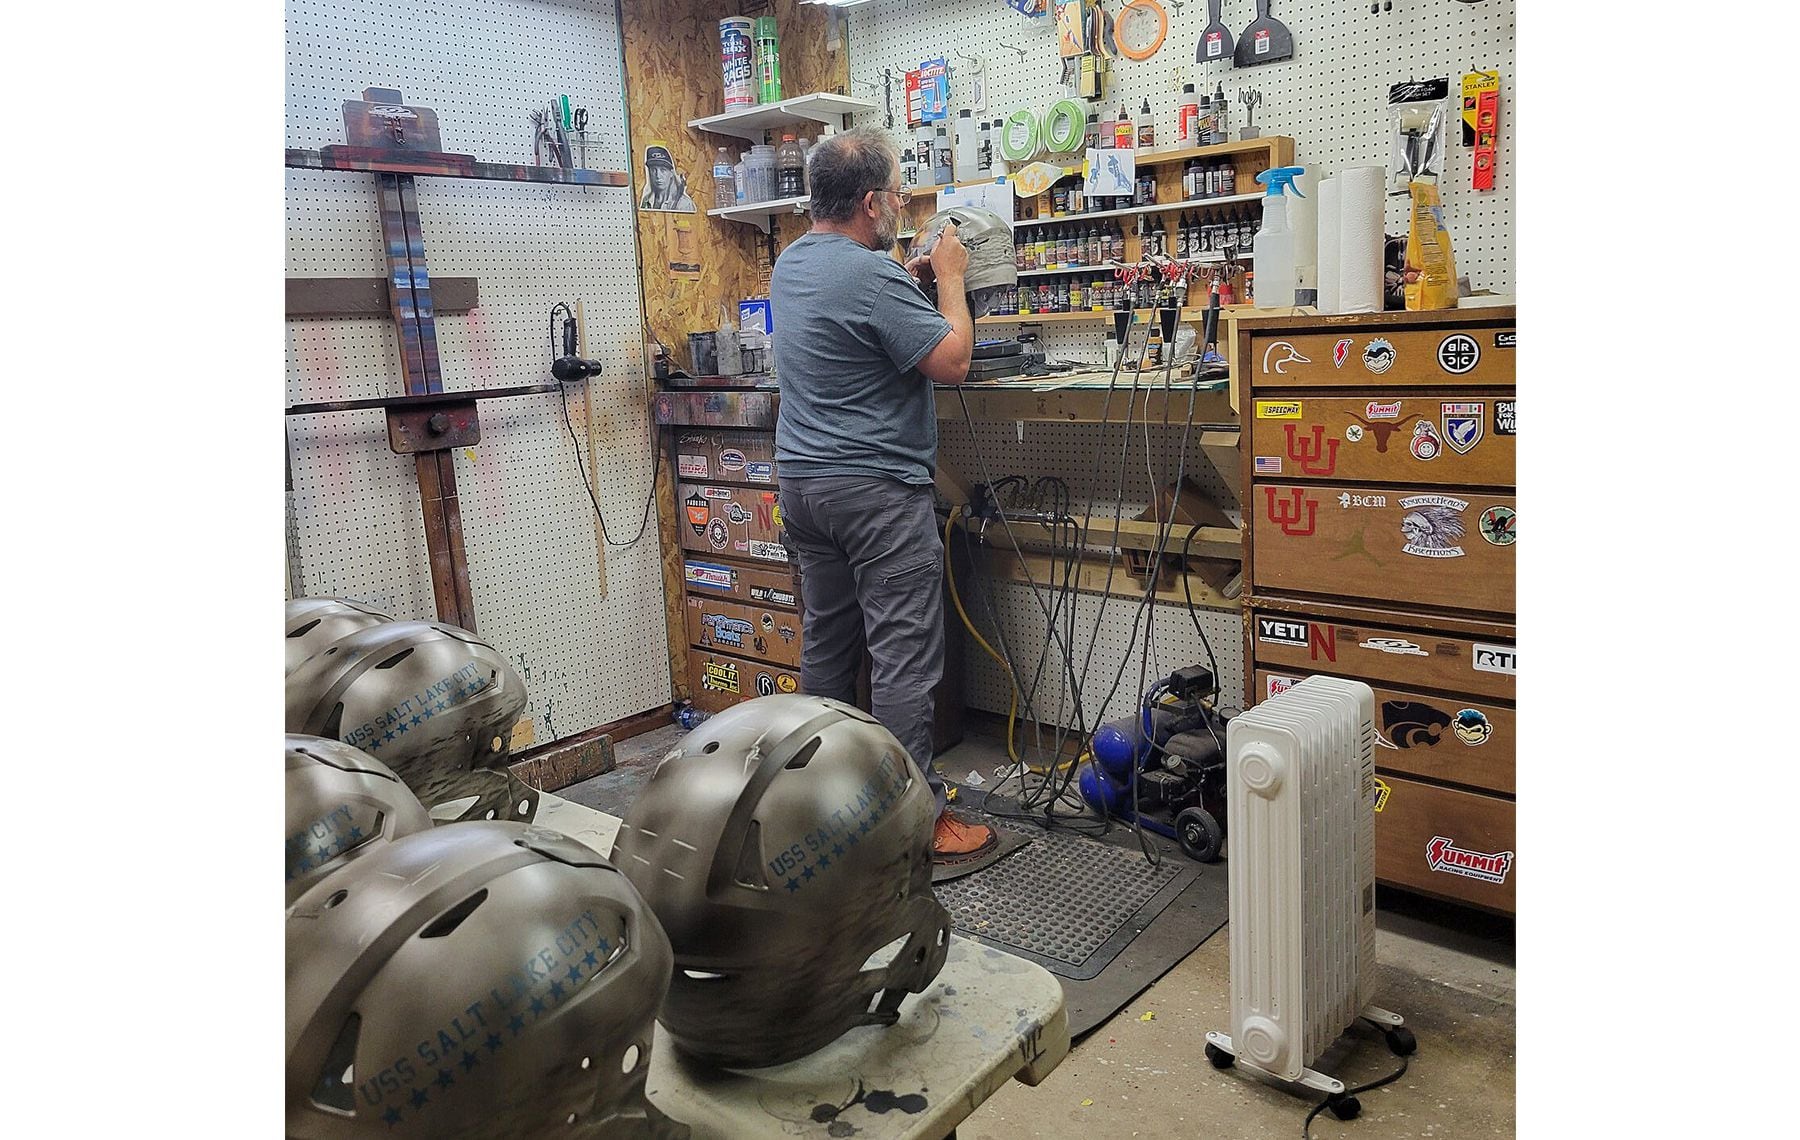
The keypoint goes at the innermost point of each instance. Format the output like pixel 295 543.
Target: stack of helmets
pixel 341 804
pixel 314 623
pixel 474 980
pixel 435 703
pixel 782 844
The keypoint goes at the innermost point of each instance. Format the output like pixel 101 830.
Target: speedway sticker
pixel 1280 409
pixel 1442 854
pixel 1432 525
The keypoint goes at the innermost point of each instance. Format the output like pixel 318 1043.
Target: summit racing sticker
pixel 1442 854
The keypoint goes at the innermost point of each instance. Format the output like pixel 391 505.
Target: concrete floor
pixel 1448 971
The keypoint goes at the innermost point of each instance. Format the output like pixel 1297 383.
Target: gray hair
pixel 844 167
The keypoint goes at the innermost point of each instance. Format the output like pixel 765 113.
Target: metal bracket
pixel 433 427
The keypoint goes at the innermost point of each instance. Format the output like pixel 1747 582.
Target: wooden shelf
pixel 1158 208
pixel 762 214
pixel 749 123
pixel 1188 314
pixel 1208 259
pixel 994 403
pixel 436 164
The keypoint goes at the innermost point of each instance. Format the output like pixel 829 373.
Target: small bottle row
pixel 1077 293
pixel 1197 235
pixel 1069 247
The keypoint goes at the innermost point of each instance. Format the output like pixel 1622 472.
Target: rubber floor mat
pixel 1068 903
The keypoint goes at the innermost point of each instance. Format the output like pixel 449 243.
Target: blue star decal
pixel 419 1097
pixel 793 885
pixel 864 829
pixel 442 705
pixel 537 1006
pixel 306 864
pixel 574 974
pixel 470 1060
pixel 556 991
pixel 444 1079
pixel 837 848
pixel 400 728
pixel 824 862
pixel 392 1116
pixel 387 736
pixel 429 714
pixel 493 1042
pixel 603 946
pixel 807 873
pixel 590 960
pixel 874 817
pixel 416 719
pixel 852 836
pixel 355 834
pixel 516 1024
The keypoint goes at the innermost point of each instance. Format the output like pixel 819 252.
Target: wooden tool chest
pixel 1380 530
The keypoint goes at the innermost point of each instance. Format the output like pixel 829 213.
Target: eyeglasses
pixel 904 194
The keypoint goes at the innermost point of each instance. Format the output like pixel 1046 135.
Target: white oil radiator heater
pixel 1300 798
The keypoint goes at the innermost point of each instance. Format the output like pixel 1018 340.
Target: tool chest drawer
pixel 1396 653
pixel 1435 438
pixel 764 585
pixel 720 680
pixel 1463 349
pixel 1444 842
pixel 725 454
pixel 740 522
pixel 1408 545
pixel 1458 739
pixel 759 632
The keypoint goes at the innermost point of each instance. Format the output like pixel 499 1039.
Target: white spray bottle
pixel 1275 241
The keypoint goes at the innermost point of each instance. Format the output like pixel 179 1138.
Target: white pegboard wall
pixel 1331 97
pixel 528 526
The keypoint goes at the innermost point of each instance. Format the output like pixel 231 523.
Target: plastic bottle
pixel 1146 127
pixel 968 147
pixel 1125 131
pixel 1221 124
pixel 724 180
pixel 1186 113
pixel 1092 138
pixel 740 181
pixel 1274 241
pixel 941 162
pixel 790 168
pixel 689 717
pixel 984 151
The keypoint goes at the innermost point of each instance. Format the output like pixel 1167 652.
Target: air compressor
pixel 1165 767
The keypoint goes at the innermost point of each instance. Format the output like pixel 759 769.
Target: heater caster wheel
pixel 1402 1042
pixel 1345 1107
pixel 1220 1058
pixel 1200 835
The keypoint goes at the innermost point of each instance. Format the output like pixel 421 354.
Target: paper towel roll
pixel 1303 219
pixel 1328 238
pixel 1362 241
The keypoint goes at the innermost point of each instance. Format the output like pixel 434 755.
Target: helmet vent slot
pixel 711 747
pixel 750 859
pixel 337 897
pixel 396 658
pixel 453 918
pixel 882 958
pixel 704 975
pixel 333 723
pixel 451 810
pixel 805 754
pixel 335 1089
pixel 305 629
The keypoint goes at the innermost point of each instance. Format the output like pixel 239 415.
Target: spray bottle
pixel 1275 241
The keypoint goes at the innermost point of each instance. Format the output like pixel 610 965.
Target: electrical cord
pixel 581 461
pixel 1306 1125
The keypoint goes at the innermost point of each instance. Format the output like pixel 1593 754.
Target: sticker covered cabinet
pixel 1380 527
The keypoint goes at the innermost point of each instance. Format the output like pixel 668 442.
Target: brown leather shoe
pixel 955 839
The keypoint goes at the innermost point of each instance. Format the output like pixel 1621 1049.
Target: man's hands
pixel 949 259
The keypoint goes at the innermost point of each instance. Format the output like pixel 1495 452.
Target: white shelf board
pixel 758 214
pixel 749 123
pixel 1206 259
pixel 1160 208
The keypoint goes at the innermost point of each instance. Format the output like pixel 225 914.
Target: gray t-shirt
pixel 851 326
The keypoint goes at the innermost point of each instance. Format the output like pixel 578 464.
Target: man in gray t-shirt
pixel 857 348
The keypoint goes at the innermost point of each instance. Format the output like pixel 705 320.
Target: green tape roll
pixel 1065 127
pixel 1019 141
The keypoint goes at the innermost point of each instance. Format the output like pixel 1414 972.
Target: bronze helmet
pixel 314 623
pixel 341 804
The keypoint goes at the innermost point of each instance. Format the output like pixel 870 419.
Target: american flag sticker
pixel 1268 465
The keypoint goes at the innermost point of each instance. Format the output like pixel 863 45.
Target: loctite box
pixel 1445 842
pixel 1435 438
pixel 766 585
pixel 725 455
pixel 760 632
pixel 719 680
pixel 1389 545
pixel 736 522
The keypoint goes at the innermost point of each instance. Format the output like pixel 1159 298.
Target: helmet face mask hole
pixel 305 629
pixel 333 1089
pixel 337 897
pixel 396 658
pixel 446 923
pixel 711 747
pixel 454 809
pixel 629 1061
pixel 807 750
pixel 882 958
pixel 524 807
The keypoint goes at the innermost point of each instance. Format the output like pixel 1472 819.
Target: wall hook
pixel 1013 48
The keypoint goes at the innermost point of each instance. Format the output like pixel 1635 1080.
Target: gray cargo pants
pixel 872 571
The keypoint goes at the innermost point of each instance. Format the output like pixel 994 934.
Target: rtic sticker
pixel 720 676
pixel 1495 658
pixel 1280 355
pixel 1458 354
pixel 1464 425
pixel 1499 526
pixel 1340 352
pixel 1281 631
pixel 1378 357
pixel 692 467
pixel 1382 792
pixel 1268 465
pixel 1505 417
pixel 1280 685
pixel 769 551
pixel 1432 525
pixel 1279 409
pixel 731 459
pixel 1442 854
pixel 1472 727
pixel 709 576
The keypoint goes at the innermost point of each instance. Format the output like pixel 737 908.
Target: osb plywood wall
pixel 672 75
